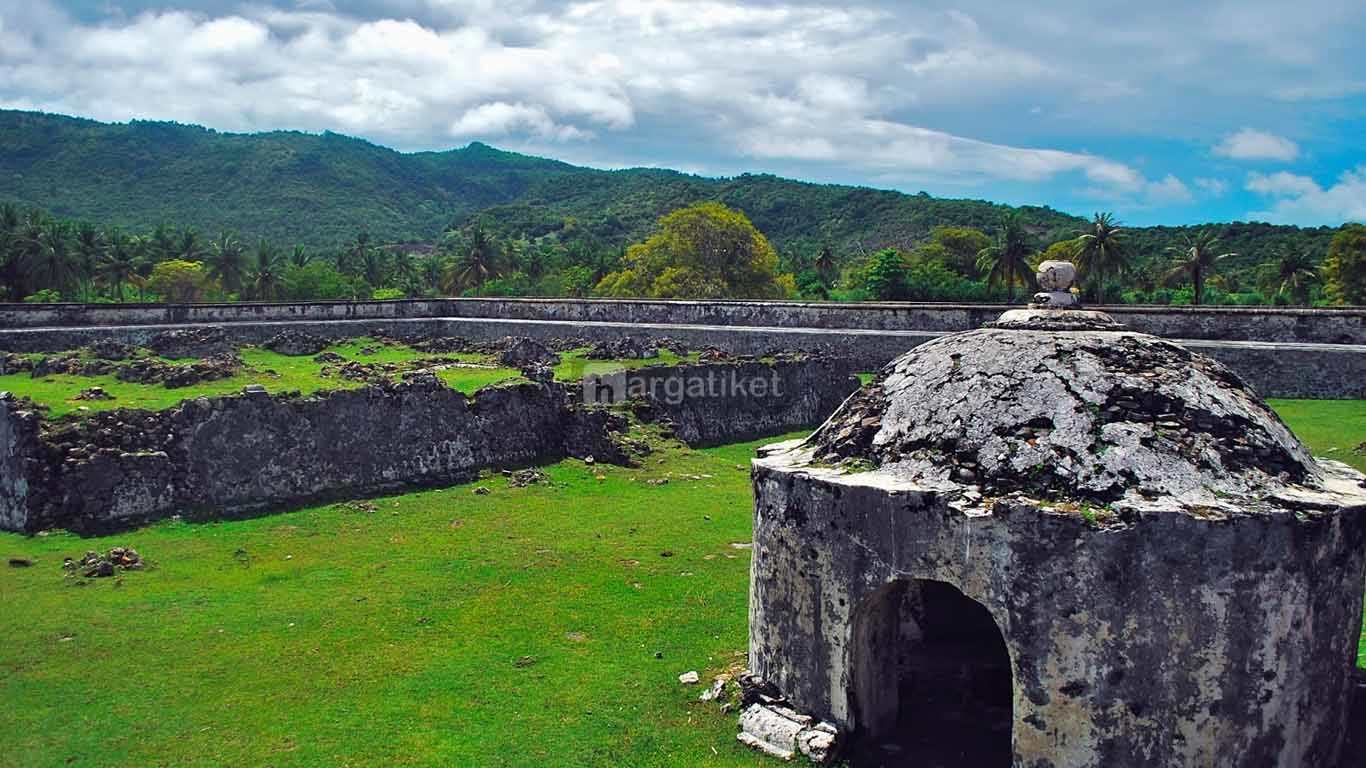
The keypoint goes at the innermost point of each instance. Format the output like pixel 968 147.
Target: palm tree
pixel 265 271
pixel 353 258
pixel 405 271
pixel 373 267
pixel 1196 258
pixel 90 247
pixel 145 250
pixel 1101 251
pixel 477 264
pixel 300 257
pixel 430 275
pixel 161 244
pixel 118 264
pixel 825 264
pixel 52 265
pixel 11 259
pixel 227 261
pixel 1290 273
pixel 1007 262
pixel 189 248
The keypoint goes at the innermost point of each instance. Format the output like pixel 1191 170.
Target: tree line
pixel 705 250
pixel 962 263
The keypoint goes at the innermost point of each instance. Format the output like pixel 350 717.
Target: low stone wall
pixel 1320 326
pixel 220 455
pixel 711 404
pixel 1331 371
pixel 1314 371
pixel 234 453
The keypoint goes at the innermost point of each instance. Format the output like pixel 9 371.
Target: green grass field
pixel 276 372
pixel 282 373
pixel 539 626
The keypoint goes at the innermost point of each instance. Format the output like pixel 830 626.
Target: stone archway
pixel 931 680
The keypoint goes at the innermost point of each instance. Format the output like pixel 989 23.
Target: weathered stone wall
pixel 18 448
pixel 223 454
pixel 219 455
pixel 1315 371
pixel 715 403
pixel 1274 370
pixel 1338 326
pixel 1176 641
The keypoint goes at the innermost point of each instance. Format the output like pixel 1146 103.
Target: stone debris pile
pixel 296 343
pixel 192 342
pixel 624 348
pixel 175 376
pixel 523 352
pixel 102 564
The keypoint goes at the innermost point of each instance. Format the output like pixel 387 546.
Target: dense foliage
pixel 290 215
pixel 704 251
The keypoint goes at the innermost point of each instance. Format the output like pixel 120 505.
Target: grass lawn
pixel 540 626
pixel 1332 429
pixel 574 363
pixel 282 373
pixel 276 372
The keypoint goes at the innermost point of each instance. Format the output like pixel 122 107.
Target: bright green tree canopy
pixel 704 251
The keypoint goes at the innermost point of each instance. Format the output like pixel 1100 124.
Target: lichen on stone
pixel 1096 416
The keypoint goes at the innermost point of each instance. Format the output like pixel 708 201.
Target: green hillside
pixel 320 190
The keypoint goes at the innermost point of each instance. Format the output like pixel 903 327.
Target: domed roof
pixel 1044 404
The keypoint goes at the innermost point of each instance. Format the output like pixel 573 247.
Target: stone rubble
pixel 521 351
pixel 296 343
pixel 103 564
pixel 209 341
pixel 624 348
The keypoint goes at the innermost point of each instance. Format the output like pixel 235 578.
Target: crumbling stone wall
pixel 19 468
pixel 711 404
pixel 1273 369
pixel 234 453
pixel 224 454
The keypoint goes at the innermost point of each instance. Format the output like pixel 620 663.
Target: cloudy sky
pixel 1165 111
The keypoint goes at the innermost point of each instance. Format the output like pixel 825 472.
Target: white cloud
pixel 1212 187
pixel 1168 190
pixel 1301 200
pixel 499 118
pixel 787 82
pixel 1249 144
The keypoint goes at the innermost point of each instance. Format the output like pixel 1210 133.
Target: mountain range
pixel 320 190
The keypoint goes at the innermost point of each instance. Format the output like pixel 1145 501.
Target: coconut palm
pixel 1101 251
pixel 1291 273
pixel 300 257
pixel 265 271
pixel 227 261
pixel 431 273
pixel 11 260
pixel 1197 257
pixel 825 264
pixel 477 264
pixel 189 247
pixel 161 245
pixel 52 264
pixel 90 245
pixel 118 263
pixel 1007 262
pixel 352 258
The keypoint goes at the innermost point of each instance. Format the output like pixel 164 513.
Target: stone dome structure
pixel 1053 542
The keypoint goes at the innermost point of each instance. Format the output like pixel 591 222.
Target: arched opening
pixel 931 680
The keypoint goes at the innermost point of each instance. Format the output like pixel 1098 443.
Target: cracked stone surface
pixel 1097 416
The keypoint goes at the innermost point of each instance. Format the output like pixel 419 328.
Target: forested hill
pixel 320 190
